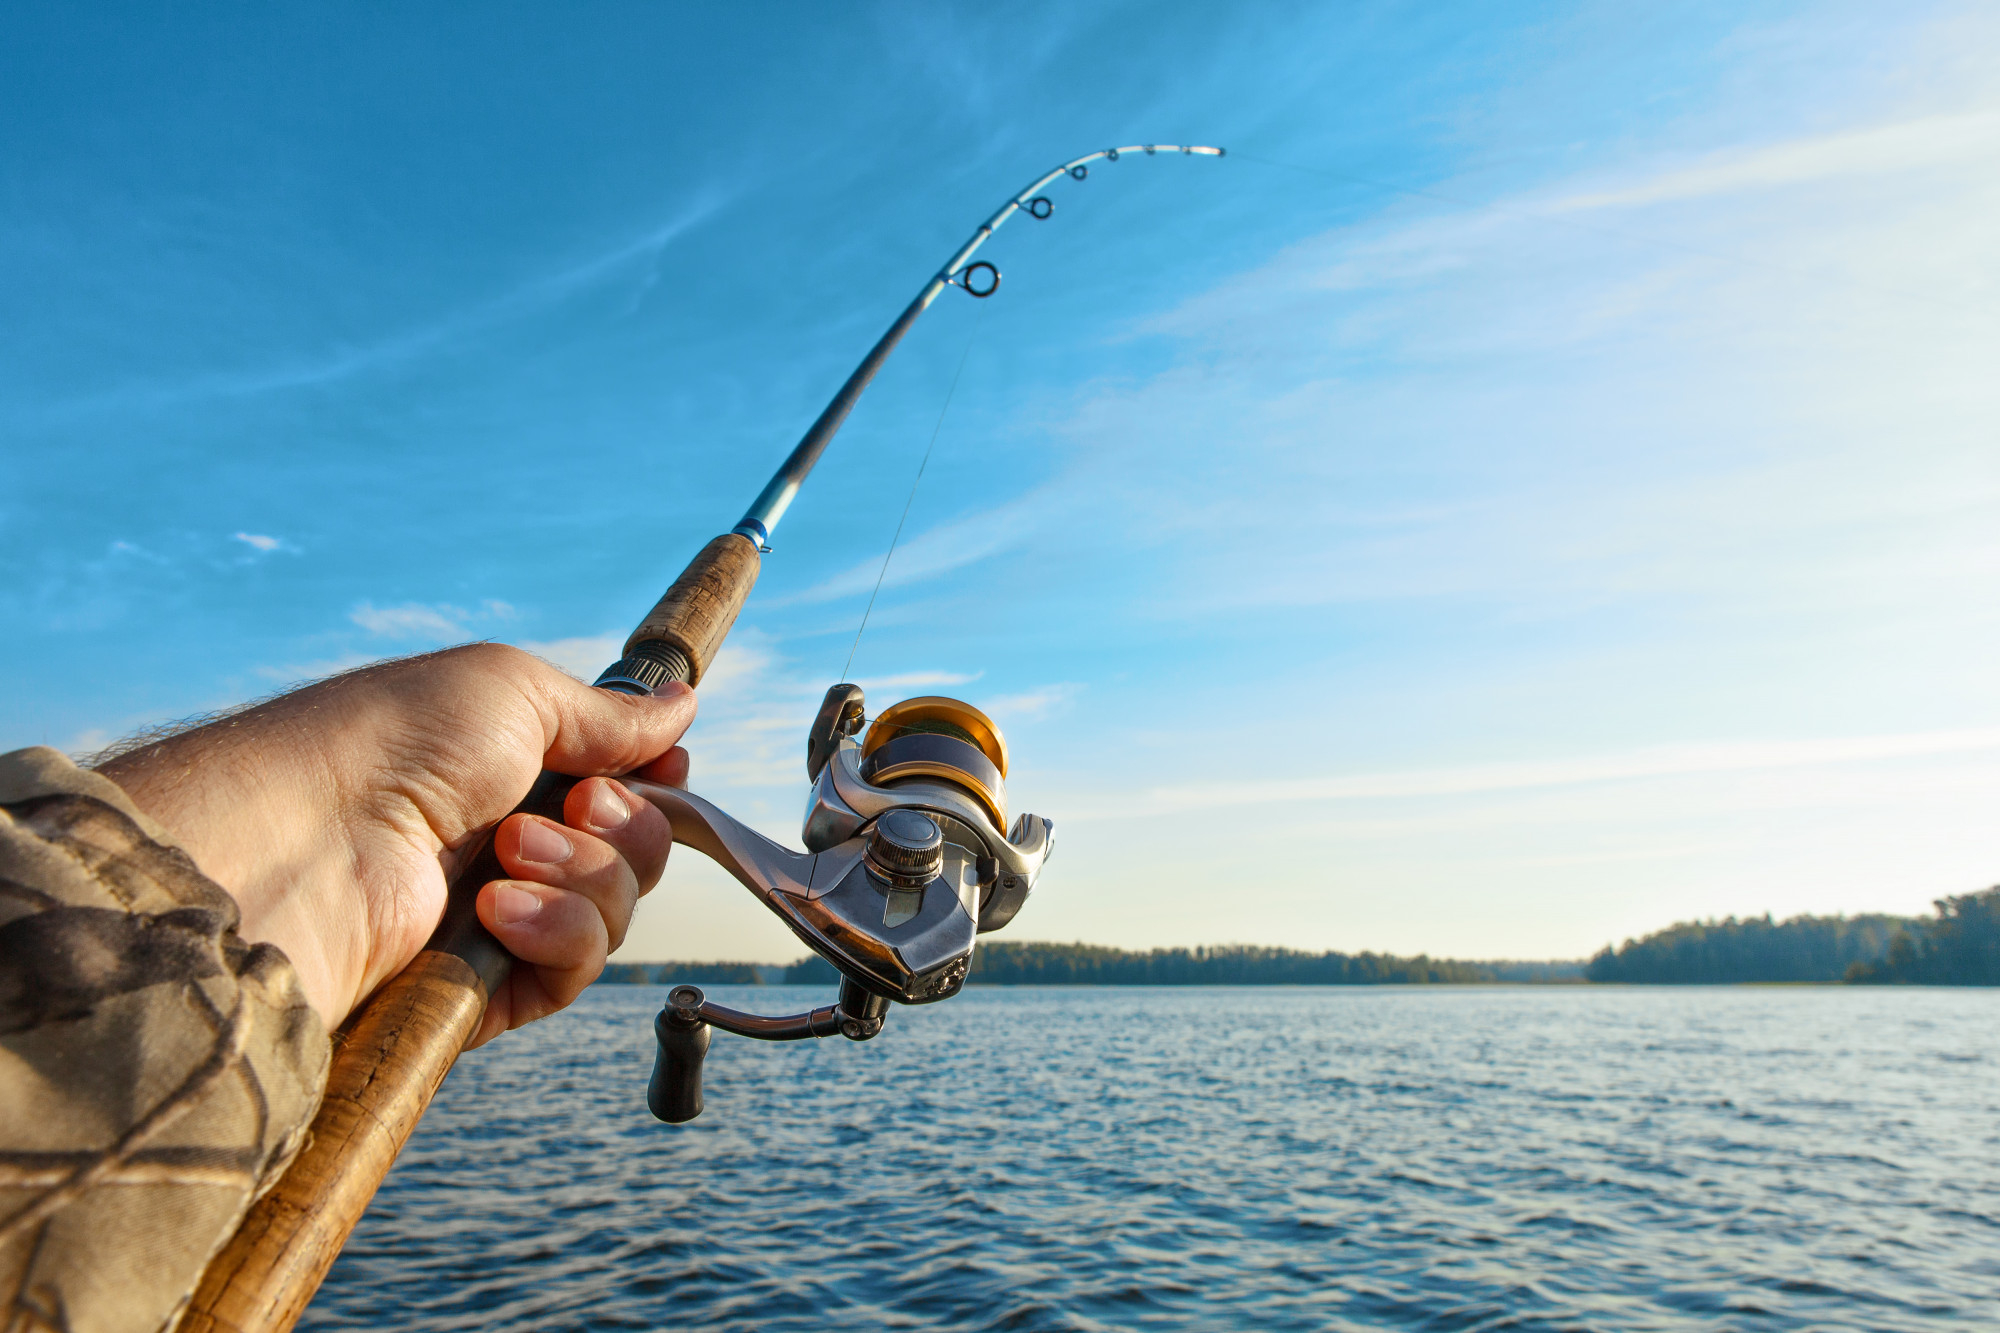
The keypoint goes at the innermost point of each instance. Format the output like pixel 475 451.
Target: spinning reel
pixel 905 866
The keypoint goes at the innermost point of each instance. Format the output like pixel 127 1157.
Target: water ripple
pixel 1268 1159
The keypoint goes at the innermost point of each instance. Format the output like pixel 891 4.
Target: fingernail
pixel 539 842
pixel 511 906
pixel 608 809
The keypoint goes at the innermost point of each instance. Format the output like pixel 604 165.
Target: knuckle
pixel 490 656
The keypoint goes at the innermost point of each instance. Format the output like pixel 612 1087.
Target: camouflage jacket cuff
pixel 156 1072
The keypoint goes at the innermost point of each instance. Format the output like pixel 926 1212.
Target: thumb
pixel 589 732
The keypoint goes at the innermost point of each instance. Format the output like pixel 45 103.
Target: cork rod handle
pixel 392 1055
pixel 695 613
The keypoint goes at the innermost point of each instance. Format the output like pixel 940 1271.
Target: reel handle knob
pixel 674 1092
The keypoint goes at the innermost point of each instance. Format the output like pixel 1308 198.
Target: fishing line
pixel 1619 233
pixel 918 481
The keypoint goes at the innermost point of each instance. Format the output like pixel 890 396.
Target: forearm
pixel 247 797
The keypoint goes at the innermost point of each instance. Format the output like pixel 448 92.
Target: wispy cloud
pixel 431 621
pixel 954 545
pixel 917 680
pixel 583 657
pixel 638 257
pixel 1784 402
pixel 295 673
pixel 1697 759
pixel 1923 143
pixel 1031 705
pixel 88 742
pixel 263 544
pixel 749 741
pixel 421 625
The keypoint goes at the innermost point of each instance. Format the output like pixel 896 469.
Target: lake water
pixel 1197 1159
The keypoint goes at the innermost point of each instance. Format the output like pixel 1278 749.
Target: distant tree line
pixel 1804 948
pixel 1012 963
pixel 1534 973
pixel 812 970
pixel 1015 963
pixel 1960 946
pixel 694 974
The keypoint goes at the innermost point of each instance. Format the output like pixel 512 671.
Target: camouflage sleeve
pixel 156 1072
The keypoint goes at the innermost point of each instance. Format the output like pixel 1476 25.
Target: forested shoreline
pixel 1033 963
pixel 1958 946
pixel 1752 949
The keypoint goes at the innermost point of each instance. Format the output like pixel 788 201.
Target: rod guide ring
pixel 972 285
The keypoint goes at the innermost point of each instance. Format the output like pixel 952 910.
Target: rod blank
pixel 770 505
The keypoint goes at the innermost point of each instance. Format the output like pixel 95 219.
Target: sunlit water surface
pixel 1475 1158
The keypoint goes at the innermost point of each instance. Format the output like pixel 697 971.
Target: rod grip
pixel 387 1067
pixel 694 615
pixel 459 931
pixel 388 1062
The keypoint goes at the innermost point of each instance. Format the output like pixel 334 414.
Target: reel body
pixel 906 864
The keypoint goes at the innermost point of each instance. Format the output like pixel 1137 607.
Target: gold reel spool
pixel 935 737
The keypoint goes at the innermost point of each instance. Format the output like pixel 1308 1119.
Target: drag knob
pixel 906 848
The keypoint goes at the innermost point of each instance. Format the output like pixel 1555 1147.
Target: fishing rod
pixel 908 858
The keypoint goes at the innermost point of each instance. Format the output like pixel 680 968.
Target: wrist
pixel 241 804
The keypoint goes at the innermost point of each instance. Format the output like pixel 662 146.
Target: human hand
pixel 337 815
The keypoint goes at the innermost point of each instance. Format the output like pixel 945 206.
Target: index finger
pixel 636 829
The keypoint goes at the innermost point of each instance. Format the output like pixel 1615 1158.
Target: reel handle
pixel 673 1094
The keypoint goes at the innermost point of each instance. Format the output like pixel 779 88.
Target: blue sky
pixel 1543 484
